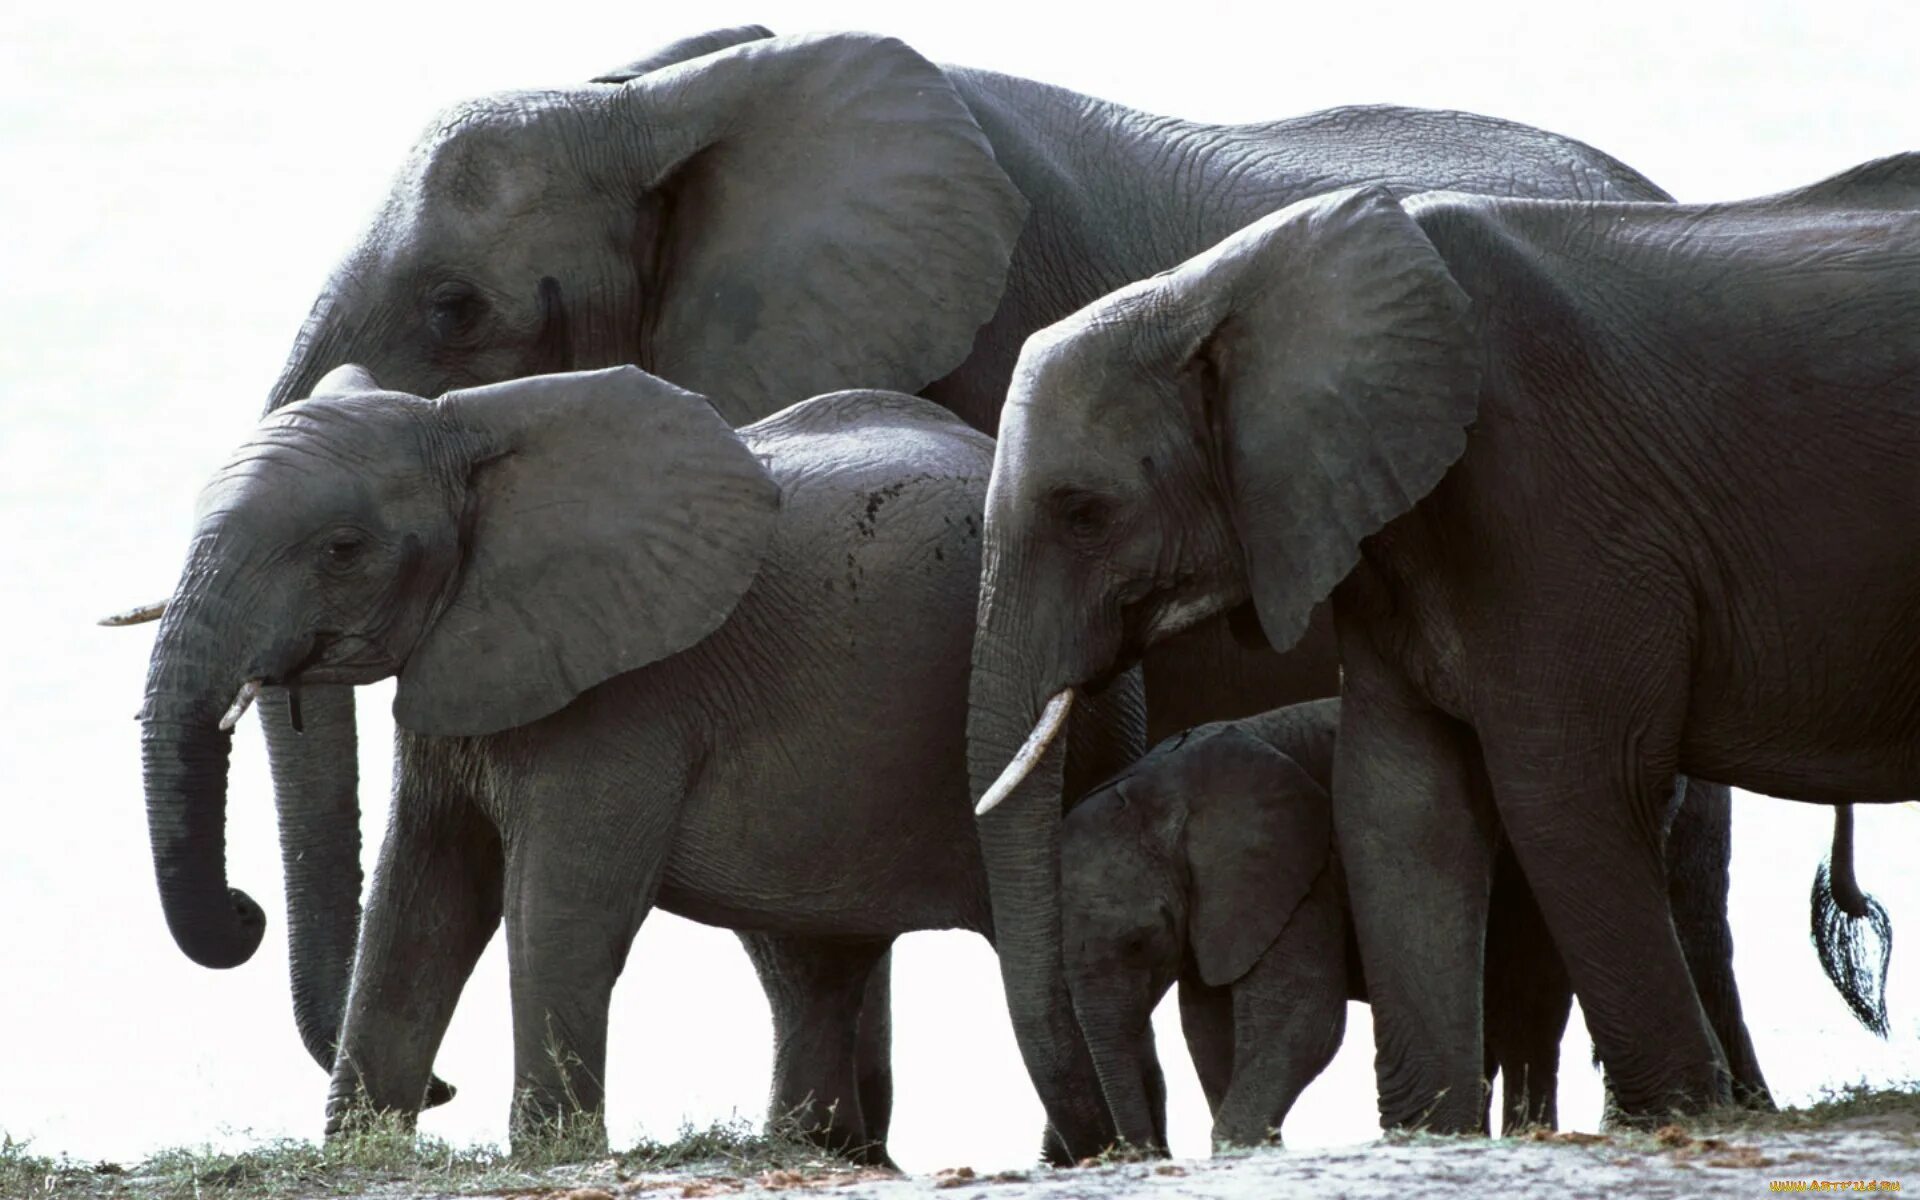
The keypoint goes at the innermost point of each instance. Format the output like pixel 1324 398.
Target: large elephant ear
pixel 1259 832
pixel 1341 376
pixel 692 46
pixel 616 520
pixel 833 218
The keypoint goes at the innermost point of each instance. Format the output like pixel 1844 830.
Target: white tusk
pixel 136 616
pixel 241 703
pixel 1053 718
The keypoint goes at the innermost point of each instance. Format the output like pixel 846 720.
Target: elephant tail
pixel 1851 931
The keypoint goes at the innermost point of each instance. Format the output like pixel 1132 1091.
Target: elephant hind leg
pixel 873 1051
pixel 1699 845
pixel 1528 1000
pixel 817 990
pixel 1584 807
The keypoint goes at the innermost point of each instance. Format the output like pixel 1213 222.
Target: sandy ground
pixel 1669 1164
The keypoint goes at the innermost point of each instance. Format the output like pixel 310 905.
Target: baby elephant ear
pixel 693 46
pixel 1259 833
pixel 1342 376
pixel 615 520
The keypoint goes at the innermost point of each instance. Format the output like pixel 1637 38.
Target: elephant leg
pixel 1416 837
pixel 435 903
pixel 1206 1019
pixel 1528 1000
pixel 1699 846
pixel 1289 1017
pixel 816 990
pixel 873 1051
pixel 573 905
pixel 1585 811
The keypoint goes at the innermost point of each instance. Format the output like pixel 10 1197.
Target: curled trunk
pixel 184 763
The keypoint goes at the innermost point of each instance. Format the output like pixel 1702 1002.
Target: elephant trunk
pixel 1020 843
pixel 316 786
pixel 1117 1022
pixel 184 764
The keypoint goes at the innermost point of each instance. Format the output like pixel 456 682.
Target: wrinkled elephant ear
pixel 692 46
pixel 616 520
pixel 1259 832
pixel 834 218
pixel 1341 377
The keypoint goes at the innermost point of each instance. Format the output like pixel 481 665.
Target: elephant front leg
pixel 434 906
pixel 1289 1017
pixel 573 906
pixel 818 992
pixel 1414 828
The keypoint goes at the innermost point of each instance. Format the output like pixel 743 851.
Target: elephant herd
pixel 707 586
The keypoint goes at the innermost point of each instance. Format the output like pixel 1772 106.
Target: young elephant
pixel 1211 862
pixel 1601 494
pixel 644 659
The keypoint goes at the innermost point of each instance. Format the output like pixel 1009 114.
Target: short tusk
pixel 136 616
pixel 249 691
pixel 1053 718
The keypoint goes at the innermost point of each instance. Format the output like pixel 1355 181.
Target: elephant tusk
pixel 1053 718
pixel 241 703
pixel 135 616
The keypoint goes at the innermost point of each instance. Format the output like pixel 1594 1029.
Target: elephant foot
pixel 544 1134
pixel 439 1091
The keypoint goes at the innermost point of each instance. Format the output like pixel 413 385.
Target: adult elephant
pixel 1601 493
pixel 793 215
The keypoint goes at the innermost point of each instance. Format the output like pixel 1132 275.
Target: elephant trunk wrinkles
pixel 1020 843
pixel 1117 1058
pixel 316 786
pixel 184 764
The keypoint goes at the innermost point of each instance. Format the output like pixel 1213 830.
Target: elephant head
pixel 499 549
pixel 782 216
pixel 1198 854
pixel 1228 431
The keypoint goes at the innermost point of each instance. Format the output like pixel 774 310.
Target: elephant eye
pixel 1085 516
pixel 454 310
pixel 345 549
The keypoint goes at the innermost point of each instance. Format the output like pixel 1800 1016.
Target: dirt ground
pixel 1672 1163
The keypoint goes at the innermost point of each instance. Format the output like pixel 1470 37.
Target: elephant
pixel 643 659
pixel 1600 493
pixel 756 218
pixel 1211 862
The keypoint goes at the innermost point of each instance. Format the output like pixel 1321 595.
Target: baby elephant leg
pixel 1289 1014
pixel 817 990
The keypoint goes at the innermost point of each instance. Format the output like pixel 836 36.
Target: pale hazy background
pixel 176 180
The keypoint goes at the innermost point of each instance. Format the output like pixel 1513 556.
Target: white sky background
pixel 178 179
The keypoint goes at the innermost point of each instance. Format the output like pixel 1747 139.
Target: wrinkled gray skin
pixel 642 660
pixel 1677 539
pixel 1211 862
pixel 790 216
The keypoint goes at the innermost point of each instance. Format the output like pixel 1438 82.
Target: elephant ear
pixel 833 218
pixel 615 520
pixel 1259 832
pixel 1341 375
pixel 692 46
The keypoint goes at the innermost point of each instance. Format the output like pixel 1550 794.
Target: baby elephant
pixel 1211 862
